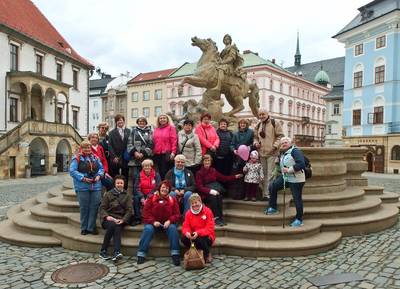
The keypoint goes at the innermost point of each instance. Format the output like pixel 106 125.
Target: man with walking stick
pixel 292 165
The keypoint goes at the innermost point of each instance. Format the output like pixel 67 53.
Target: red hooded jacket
pixel 161 209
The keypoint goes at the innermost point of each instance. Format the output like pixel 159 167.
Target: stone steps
pixel 70 195
pixel 42 213
pixel 257 217
pixel 25 223
pixel 367 205
pixel 373 190
pixel 350 195
pixel 10 234
pixel 389 197
pixel 71 239
pixel 60 204
pixel 383 218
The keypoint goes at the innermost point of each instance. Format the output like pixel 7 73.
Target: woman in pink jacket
pixel 207 134
pixel 165 143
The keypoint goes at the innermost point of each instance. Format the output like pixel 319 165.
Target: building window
pixel 281 100
pixel 357 117
pixel 357 79
pixel 271 84
pixel 146 95
pixel 358 49
pixel 75 118
pixel 95 103
pixel 59 71
pixel 13 109
pixel 135 97
pixel 59 114
pixel 290 107
pixel 378 115
pixel 396 153
pixel 75 79
pixel 134 112
pixel 271 103
pixel 380 42
pixel 380 74
pixel 158 94
pixel 13 57
pixel 289 130
pixel 157 110
pixel 146 111
pixel 336 109
pixel 39 64
pixel 329 129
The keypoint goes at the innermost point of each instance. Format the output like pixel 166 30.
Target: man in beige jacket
pixel 267 135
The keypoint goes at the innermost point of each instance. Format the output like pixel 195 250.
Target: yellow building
pixel 146 96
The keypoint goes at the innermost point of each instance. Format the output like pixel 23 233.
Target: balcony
pixel 393 127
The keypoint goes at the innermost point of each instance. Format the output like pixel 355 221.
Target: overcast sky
pixel 142 36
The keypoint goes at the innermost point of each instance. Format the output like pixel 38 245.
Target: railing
pixel 394 127
pixel 37 128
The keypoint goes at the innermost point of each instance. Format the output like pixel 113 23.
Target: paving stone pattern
pixel 376 257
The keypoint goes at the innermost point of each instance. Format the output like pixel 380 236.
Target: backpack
pixel 308 169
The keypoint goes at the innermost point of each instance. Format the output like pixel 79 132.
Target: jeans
pixel 215 204
pixel 268 164
pixel 295 188
pixel 137 205
pixel 112 231
pixel 186 204
pixel 201 243
pixel 89 202
pixel 147 236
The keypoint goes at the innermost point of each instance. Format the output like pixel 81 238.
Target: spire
pixel 297 56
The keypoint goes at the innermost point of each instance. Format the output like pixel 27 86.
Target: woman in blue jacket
pixel 292 166
pixel 86 170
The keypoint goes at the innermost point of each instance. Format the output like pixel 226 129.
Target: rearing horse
pixel 234 88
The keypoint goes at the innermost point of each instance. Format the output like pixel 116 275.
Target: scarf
pixel 180 181
pixel 263 125
pixel 196 212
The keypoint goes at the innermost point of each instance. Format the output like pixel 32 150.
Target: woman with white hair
pixel 182 182
pixel 292 166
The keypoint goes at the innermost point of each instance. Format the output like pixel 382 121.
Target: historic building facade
pixel 43 93
pixel 147 96
pixel 329 73
pixel 97 89
pixel 371 86
pixel 114 100
pixel 291 99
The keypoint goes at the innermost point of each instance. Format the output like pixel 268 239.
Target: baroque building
pixel 292 100
pixel 147 96
pixel 43 93
pixel 371 84
pixel 329 73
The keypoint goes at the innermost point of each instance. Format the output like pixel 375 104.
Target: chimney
pixel 273 60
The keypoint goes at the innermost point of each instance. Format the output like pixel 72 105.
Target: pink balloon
pixel 243 152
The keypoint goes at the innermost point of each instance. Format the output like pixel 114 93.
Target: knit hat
pixel 254 154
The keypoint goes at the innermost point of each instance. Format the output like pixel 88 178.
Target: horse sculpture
pixel 234 88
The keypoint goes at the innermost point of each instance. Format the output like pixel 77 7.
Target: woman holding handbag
pixel 198 227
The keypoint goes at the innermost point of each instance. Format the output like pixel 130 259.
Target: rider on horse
pixel 231 62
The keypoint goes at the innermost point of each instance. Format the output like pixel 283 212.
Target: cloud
pixel 140 36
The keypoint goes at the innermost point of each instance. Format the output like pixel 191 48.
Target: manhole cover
pixel 80 273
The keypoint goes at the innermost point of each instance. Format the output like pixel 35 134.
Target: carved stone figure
pixel 221 75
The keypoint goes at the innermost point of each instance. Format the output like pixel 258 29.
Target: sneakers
pixel 103 255
pixel 117 256
pixel 176 259
pixel 140 260
pixel 246 199
pixel 271 211
pixel 253 199
pixel 296 223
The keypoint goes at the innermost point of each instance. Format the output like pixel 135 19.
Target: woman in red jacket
pixel 207 183
pixel 98 151
pixel 207 134
pixel 198 227
pixel 160 213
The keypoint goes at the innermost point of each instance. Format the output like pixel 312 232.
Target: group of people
pixel 180 176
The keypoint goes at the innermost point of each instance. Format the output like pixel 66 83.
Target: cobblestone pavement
pixel 15 191
pixel 375 257
pixel 391 182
